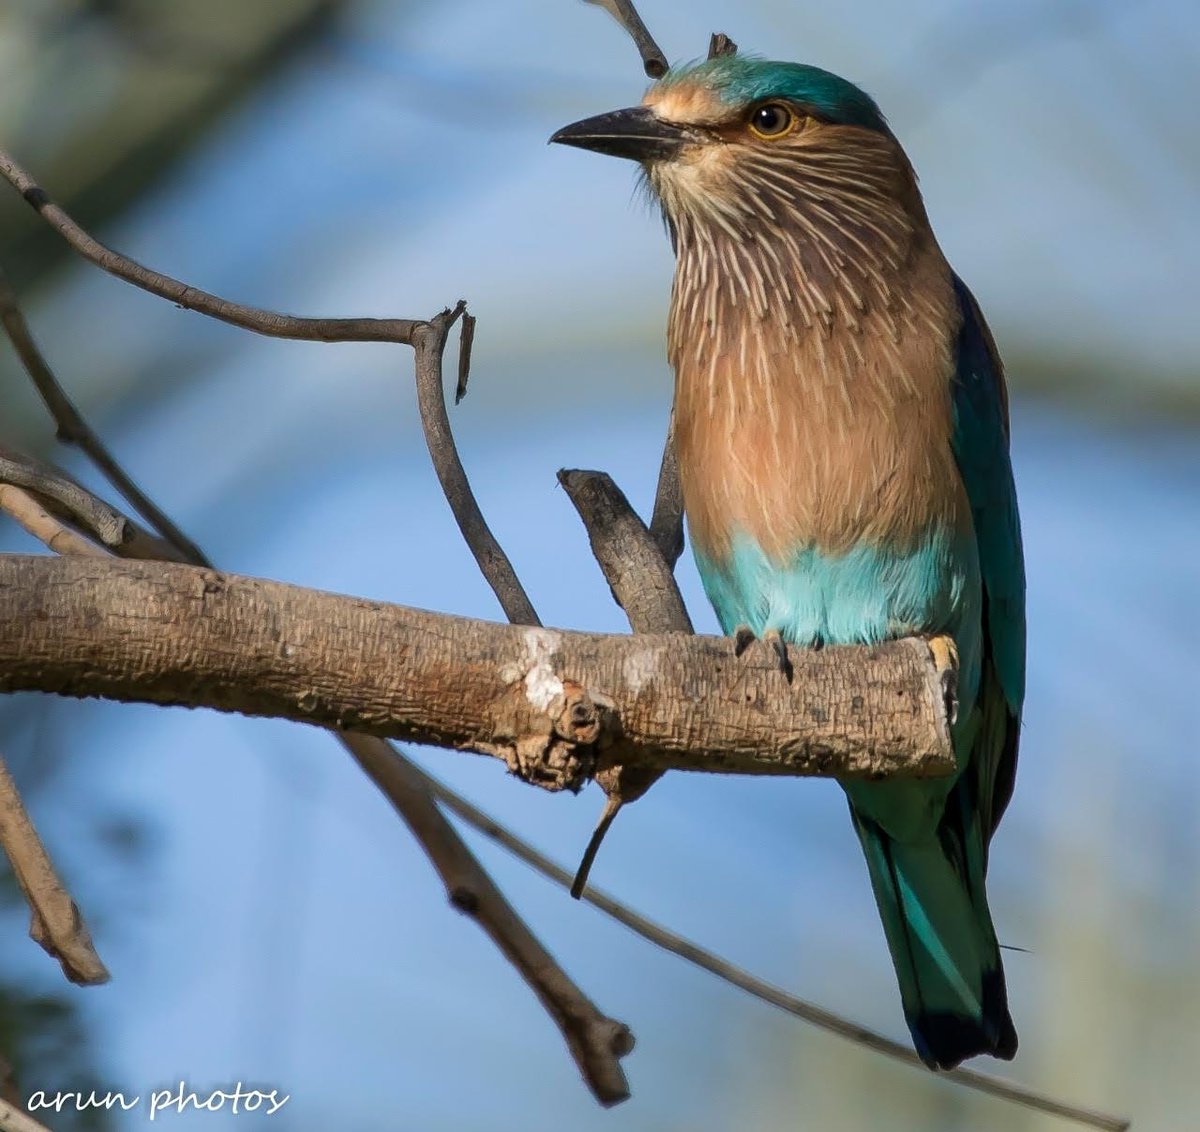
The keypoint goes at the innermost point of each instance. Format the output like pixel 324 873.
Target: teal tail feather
pixel 939 931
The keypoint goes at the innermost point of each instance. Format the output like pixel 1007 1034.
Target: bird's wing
pixel 981 449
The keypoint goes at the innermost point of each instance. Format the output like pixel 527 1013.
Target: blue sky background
pixel 283 928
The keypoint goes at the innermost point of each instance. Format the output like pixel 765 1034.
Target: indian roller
pixel 842 433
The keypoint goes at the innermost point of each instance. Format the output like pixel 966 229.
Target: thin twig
pixel 596 1042
pixel 67 499
pixel 429 344
pixel 720 44
pixel 73 429
pixel 466 340
pixel 666 522
pixel 44 527
pixel 57 923
pixel 87 512
pixel 271 323
pixel 53 491
pixel 654 62
pixel 729 972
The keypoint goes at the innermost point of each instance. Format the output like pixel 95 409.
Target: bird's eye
pixel 772 120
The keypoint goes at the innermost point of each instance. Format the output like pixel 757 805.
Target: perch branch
pixel 555 705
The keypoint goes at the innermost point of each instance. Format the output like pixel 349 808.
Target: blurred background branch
pixel 166 75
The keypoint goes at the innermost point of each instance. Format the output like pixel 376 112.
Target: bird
pixel 842 432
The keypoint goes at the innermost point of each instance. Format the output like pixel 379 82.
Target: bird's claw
pixel 945 659
pixel 779 648
pixel 743 638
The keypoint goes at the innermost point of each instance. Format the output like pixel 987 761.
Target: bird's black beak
pixel 636 133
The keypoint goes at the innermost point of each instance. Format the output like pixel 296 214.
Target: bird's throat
pixel 812 408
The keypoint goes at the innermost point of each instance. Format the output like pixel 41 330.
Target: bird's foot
pixel 743 638
pixel 779 648
pixel 945 659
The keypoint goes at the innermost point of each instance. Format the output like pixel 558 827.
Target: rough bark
pixel 555 705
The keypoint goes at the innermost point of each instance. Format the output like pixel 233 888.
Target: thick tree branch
pixel 555 705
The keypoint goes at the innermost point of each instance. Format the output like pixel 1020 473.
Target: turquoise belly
pixel 863 595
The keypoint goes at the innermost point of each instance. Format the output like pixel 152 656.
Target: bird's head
pixel 738 141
